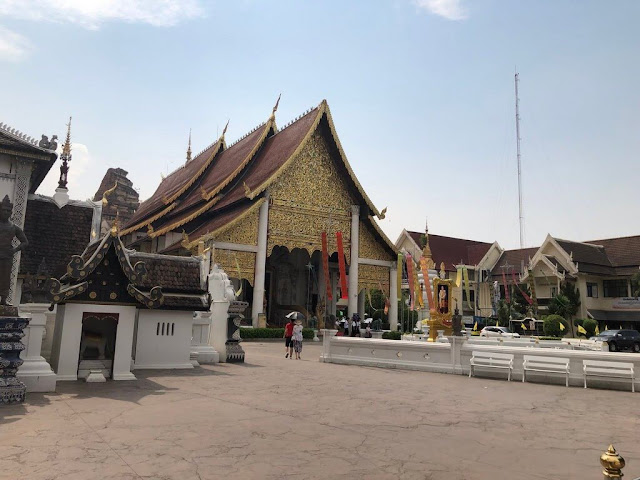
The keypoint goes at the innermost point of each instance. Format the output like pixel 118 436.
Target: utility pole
pixel 520 214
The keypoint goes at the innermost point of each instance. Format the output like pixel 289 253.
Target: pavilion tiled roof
pixel 452 251
pixel 622 251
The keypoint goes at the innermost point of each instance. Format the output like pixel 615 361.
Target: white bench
pixel 534 363
pixel 597 368
pixel 491 360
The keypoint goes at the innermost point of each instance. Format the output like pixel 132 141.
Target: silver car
pixel 503 332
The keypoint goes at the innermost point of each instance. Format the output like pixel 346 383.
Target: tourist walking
pixel 297 338
pixel 288 343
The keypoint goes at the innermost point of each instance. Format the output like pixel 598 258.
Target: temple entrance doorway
pixel 97 343
pixel 295 281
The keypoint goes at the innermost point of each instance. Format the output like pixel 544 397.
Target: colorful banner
pixel 410 280
pixel 458 276
pixel 342 267
pixel 515 282
pixel 427 282
pixel 399 272
pixel 387 303
pixel 325 266
pixel 506 287
pixel 465 273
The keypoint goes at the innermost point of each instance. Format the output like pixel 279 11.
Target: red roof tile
pixel 452 250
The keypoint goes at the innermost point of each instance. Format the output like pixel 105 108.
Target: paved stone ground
pixel 274 418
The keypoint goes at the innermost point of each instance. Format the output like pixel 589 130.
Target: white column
pixel 20 193
pixel 222 293
pixel 361 303
pixel 352 306
pixel 393 299
pixel 201 333
pixel 261 261
pixel 35 372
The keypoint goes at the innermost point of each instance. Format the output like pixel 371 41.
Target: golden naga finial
pixel 115 226
pixel 66 149
pixel 224 130
pixel 275 107
pixel 383 214
pixel 247 190
pixel 189 148
pixel 185 239
pixel 612 463
pixel 149 229
pixel 108 193
pixel 203 193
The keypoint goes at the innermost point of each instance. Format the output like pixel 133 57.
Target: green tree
pixel 589 324
pixel 635 285
pixel 566 303
pixel 503 313
pixel 551 326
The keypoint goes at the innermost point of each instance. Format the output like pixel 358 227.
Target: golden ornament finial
pixel 275 107
pixel 383 213
pixel 613 463
pixel 185 239
pixel 115 226
pixel 189 148
pixel 203 193
pixel 107 193
pixel 224 130
pixel 66 149
pixel 247 190
pixel 149 229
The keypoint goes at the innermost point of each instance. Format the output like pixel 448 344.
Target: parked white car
pixel 503 332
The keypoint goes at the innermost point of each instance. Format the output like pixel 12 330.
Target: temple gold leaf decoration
pixel 150 220
pixel 370 246
pixel 226 259
pixel 310 197
pixel 372 277
pixel 244 232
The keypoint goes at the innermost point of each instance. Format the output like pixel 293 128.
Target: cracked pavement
pixel 275 418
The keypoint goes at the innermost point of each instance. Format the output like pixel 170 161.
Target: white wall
pixel 68 333
pixel 168 349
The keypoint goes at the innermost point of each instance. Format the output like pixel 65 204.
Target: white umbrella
pixel 295 315
pixel 368 320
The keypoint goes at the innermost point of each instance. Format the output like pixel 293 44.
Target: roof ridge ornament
pixel 65 157
pixel 275 107
pixel 189 148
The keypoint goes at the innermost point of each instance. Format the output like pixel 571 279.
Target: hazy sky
pixel 421 92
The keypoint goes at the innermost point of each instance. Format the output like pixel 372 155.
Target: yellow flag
pixel 606 327
pixel 459 277
pixel 561 327
pixel 399 273
pixel 497 323
pixel 581 330
pixel 475 327
pixel 620 327
pixel 523 327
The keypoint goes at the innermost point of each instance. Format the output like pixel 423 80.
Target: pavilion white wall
pixel 163 339
pixel 35 372
pixel 68 333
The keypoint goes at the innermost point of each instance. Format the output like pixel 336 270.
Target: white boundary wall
pixel 454 358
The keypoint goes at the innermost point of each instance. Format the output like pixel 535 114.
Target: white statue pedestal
pixel 201 351
pixel 35 372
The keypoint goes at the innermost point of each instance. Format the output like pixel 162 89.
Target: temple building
pixel 263 205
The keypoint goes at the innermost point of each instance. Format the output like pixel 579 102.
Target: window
pixel 554 291
pixel 472 294
pixel 614 288
pixel 169 331
pixel 592 290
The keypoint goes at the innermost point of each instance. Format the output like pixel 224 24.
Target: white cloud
pixel 92 13
pixel 13 46
pixel 449 9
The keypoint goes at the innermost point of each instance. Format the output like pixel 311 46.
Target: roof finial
pixel 66 158
pixel 189 148
pixel 225 128
pixel 275 107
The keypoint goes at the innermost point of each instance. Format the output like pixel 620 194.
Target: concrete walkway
pixel 274 418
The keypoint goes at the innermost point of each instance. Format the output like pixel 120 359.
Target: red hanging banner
pixel 342 266
pixel 325 265
pixel 506 287
pixel 524 294
pixel 410 279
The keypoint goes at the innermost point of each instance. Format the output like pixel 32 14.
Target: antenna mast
pixel 521 217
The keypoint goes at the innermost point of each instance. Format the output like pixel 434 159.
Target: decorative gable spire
pixel 66 158
pixel 275 107
pixel 189 148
